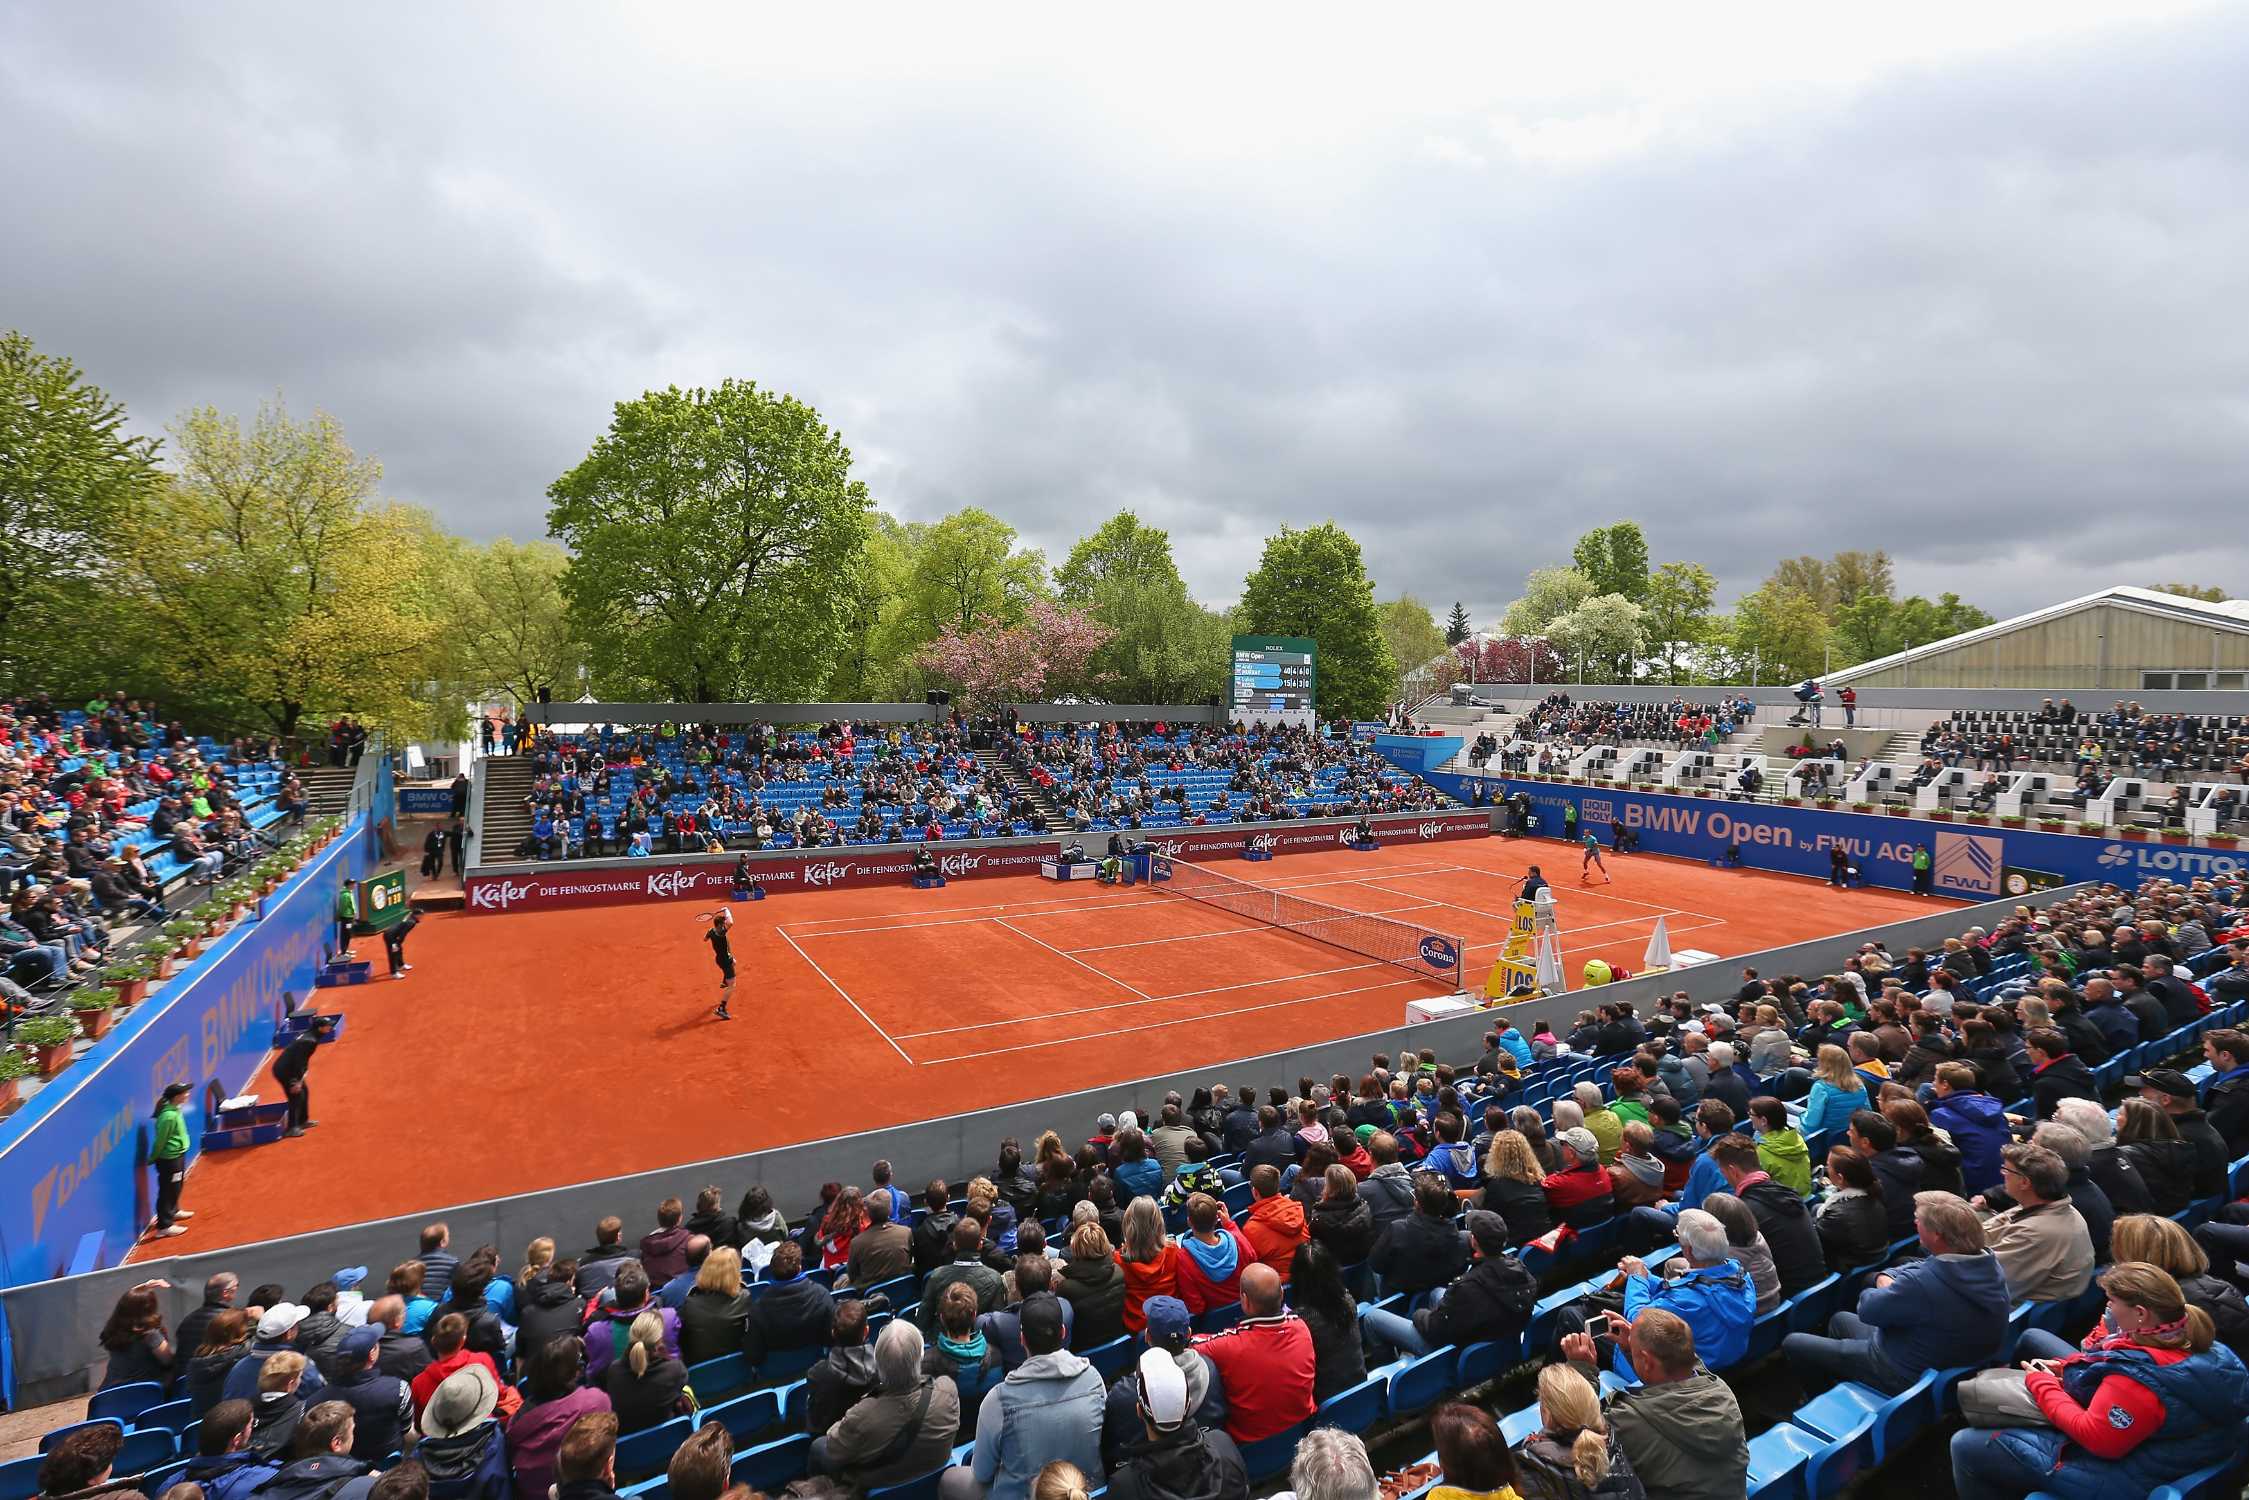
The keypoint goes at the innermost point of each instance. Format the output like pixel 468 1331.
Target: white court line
pixel 1081 963
pixel 1082 1010
pixel 839 989
pixel 1559 889
pixel 1196 937
pixel 1211 1015
pixel 1063 905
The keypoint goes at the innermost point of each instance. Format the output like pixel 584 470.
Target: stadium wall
pixel 73 1182
pixel 51 1325
pixel 862 713
pixel 1970 861
pixel 534 887
pixel 1937 700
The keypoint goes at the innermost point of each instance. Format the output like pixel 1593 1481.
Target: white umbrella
pixel 1550 980
pixel 1658 956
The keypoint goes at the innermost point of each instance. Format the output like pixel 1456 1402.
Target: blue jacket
pixel 1455 1163
pixel 1517 1046
pixel 1940 1311
pixel 1136 1179
pixel 1829 1108
pixel 1672 1069
pixel 2203 1398
pixel 1718 1302
pixel 230 1476
pixel 1048 1408
pixel 1977 1124
pixel 1703 1179
pixel 242 1380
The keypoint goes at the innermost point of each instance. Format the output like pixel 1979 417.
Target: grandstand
pixel 1824 1439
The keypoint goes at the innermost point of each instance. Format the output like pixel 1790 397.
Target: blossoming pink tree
pixel 995 663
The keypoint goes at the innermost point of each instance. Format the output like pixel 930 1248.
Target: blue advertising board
pixel 73 1158
pixel 426 798
pixel 1971 861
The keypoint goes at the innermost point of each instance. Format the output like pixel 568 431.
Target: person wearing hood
pixel 845 1374
pixel 933 1235
pixel 1341 1219
pixel 551 1307
pixel 1782 1218
pixel 320 1465
pixel 224 1467
pixel 1780 1146
pixel 1492 1300
pixel 1387 1191
pixel 554 1400
pixel 1672 1070
pixel 1580 1193
pixel 464 1447
pixel 382 1406
pixel 1636 1176
pixel 1897 1169
pixel 1171 1335
pixel 1976 1122
pixel 1212 1255
pixel 663 1250
pixel 1195 1175
pixel 966 1265
pixel 1946 1309
pixel 2148 1140
pixel 1047 1410
pixel 1174 1457
pixel 1275 1224
pixel 450 1351
pixel 598 1267
pixel 1679 1426
pixel 1453 1158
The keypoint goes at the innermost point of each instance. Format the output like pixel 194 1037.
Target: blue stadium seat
pixel 173 1414
pixel 648 1451
pixel 715 1378
pixel 1518 1425
pixel 745 1415
pixel 1356 1409
pixel 19 1477
pixel 47 1441
pixel 924 1488
pixel 1486 1361
pixel 1423 1382
pixel 1269 1456
pixel 1777 1459
pixel 783 1365
pixel 125 1402
pixel 770 1466
pixel 1112 1358
pixel 154 1482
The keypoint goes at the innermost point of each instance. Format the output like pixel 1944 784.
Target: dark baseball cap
pixel 2165 1080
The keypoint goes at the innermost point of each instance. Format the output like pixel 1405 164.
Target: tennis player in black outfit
pixel 722 924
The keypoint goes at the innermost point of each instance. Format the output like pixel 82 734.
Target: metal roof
pixel 2229 614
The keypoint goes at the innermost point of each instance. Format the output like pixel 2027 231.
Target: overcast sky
pixel 1966 282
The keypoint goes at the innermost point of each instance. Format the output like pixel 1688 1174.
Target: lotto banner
pixel 546 887
pixel 1972 861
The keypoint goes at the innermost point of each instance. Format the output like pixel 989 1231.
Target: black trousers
pixel 343 937
pixel 300 1103
pixel 394 946
pixel 171 1176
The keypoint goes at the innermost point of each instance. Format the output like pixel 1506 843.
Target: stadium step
pixel 507 821
pixel 1015 780
pixel 327 789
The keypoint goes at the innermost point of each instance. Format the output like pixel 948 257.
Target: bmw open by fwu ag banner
pixel 1970 861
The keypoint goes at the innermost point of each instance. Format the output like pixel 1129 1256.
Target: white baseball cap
pixel 1163 1389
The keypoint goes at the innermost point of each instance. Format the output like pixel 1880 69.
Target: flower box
pixel 94 1013
pixel 131 990
pixel 1941 815
pixel 2221 840
pixel 50 1038
pixel 14 1069
pixel 1862 807
pixel 2175 835
pixel 2134 835
pixel 1981 820
pixel 1896 811
pixel 2010 821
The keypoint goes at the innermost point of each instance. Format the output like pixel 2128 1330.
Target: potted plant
pixel 14 1069
pixel 1941 814
pixel 50 1037
pixel 94 1011
pixel 2094 829
pixel 2052 825
pixel 1792 802
pixel 1702 791
pixel 239 896
pixel 2134 833
pixel 1981 820
pixel 2013 820
pixel 1826 802
pixel 2174 834
pixel 1898 810
pixel 186 934
pixel 1862 807
pixel 130 979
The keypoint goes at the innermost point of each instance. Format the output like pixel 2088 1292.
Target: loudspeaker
pixel 937 698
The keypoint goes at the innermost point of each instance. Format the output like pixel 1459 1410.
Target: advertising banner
pixel 547 887
pixel 1971 861
pixel 425 799
pixel 382 900
pixel 72 1158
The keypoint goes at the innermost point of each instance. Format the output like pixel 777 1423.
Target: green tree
pixel 507 621
pixel 1548 594
pixel 1615 557
pixel 1873 626
pixel 272 585
pixel 1606 633
pixel 1314 583
pixel 1852 576
pixel 1776 635
pixel 2204 592
pixel 716 540
pixel 1807 576
pixel 69 477
pixel 1678 619
pixel 1167 648
pixel 1457 628
pixel 967 570
pixel 1411 632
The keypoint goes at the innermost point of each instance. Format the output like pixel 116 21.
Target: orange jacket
pixel 1145 1279
pixel 1274 1228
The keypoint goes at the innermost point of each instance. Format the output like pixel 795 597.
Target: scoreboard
pixel 1273 678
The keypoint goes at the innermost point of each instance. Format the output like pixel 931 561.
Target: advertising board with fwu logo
pixel 1969 862
pixel 544 887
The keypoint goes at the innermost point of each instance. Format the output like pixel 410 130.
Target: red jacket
pixel 1274 1228
pixel 1266 1367
pixel 433 1375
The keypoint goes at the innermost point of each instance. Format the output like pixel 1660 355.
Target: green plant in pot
pixel 95 1010
pixel 14 1069
pixel 129 977
pixel 50 1037
pixel 186 934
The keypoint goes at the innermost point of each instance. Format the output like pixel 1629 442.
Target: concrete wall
pixel 2101 649
pixel 51 1325
pixel 863 713
pixel 1936 700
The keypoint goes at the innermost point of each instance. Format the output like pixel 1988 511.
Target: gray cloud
pixel 1976 309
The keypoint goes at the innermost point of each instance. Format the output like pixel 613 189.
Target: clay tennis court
pixel 529 1050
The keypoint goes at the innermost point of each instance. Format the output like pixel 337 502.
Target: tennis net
pixel 1418 950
